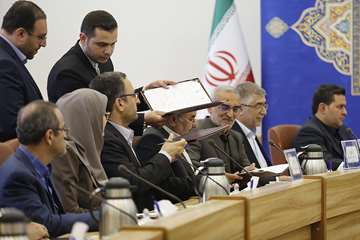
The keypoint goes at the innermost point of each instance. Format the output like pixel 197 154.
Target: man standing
pixel 23 32
pixel 25 177
pixel 326 128
pixel 253 110
pixel 118 138
pixel 89 57
pixel 230 141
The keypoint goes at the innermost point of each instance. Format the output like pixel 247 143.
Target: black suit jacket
pixel 182 181
pixel 116 151
pixel 74 71
pixel 249 152
pixel 17 88
pixel 21 188
pixel 314 132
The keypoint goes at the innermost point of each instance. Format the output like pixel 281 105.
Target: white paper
pixel 179 96
pixel 275 169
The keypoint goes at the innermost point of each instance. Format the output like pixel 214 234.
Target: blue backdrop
pixel 291 70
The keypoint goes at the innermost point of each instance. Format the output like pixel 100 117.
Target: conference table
pixel 323 206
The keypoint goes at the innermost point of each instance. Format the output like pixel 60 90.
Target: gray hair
pixel 247 90
pixel 223 88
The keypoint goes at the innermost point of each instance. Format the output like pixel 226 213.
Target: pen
pixel 157 207
pixel 251 184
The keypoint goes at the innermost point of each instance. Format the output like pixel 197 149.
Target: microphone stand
pixel 93 195
pixel 124 168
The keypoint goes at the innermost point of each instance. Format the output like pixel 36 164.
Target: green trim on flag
pixel 221 6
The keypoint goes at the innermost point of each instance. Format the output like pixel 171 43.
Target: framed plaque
pixel 351 154
pixel 294 165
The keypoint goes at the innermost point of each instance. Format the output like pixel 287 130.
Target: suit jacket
pixel 17 88
pixel 21 188
pixel 71 72
pixel 315 132
pixel 232 144
pixel 74 71
pixel 182 180
pixel 116 151
pixel 249 152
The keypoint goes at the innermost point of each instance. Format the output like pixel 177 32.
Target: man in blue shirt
pixel 25 182
pixel 23 33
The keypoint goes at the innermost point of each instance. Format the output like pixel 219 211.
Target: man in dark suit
pixel 230 141
pixel 23 32
pixel 253 110
pixel 89 57
pixel 326 128
pixel 183 180
pixel 118 150
pixel 25 177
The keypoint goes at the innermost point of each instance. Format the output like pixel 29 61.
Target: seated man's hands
pixel 36 231
pixel 159 83
pixel 174 148
pixel 251 167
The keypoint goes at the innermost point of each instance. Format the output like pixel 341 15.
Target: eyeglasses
pixel 65 129
pixel 42 37
pixel 225 108
pixel 258 106
pixel 136 95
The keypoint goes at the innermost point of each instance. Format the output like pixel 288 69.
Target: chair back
pixel 283 136
pixel 7 148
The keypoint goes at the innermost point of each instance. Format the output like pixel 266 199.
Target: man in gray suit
pixel 229 141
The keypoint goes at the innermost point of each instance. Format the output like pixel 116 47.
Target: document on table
pixel 275 169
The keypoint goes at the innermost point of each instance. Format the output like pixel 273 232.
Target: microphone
pixel 277 147
pixel 351 133
pixel 229 157
pixel 124 168
pixel 92 195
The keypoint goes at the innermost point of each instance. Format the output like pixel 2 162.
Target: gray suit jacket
pixel 231 143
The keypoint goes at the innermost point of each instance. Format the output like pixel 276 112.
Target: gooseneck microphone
pixel 277 147
pixel 229 157
pixel 91 195
pixel 124 168
pixel 351 133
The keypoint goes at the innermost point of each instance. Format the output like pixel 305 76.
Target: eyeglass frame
pixel 135 94
pixel 40 38
pixel 237 107
pixel 258 106
pixel 66 130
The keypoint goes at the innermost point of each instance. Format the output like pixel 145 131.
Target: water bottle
pixel 12 224
pixel 117 193
pixel 213 182
pixel 313 160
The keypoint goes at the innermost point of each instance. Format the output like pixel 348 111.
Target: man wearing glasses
pixel 118 139
pixel 229 141
pixel 25 181
pixel 23 33
pixel 253 110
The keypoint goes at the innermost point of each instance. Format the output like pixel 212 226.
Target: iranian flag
pixel 228 62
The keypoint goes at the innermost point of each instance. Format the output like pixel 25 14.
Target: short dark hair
pixel 22 14
pixel 111 84
pixel 34 120
pixel 98 19
pixel 325 94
